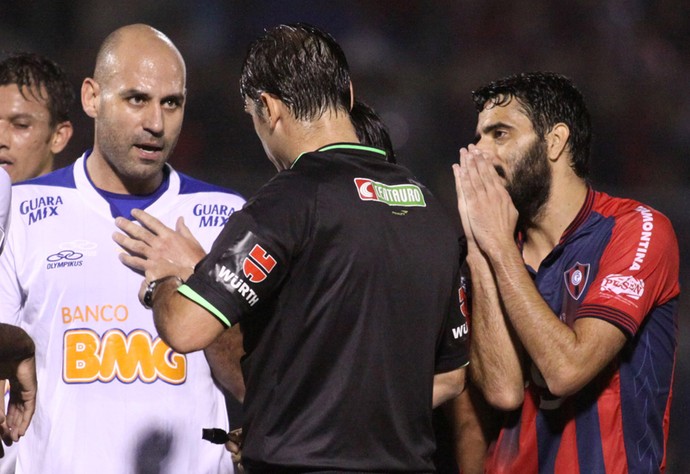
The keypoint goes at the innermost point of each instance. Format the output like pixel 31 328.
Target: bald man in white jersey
pixel 115 399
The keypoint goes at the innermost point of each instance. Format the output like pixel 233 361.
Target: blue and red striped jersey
pixel 618 261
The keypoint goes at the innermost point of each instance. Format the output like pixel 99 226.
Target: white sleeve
pixel 5 200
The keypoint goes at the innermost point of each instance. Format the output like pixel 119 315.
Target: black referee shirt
pixel 344 272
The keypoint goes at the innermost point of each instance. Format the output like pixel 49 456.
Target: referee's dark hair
pixel 371 130
pixel 547 99
pixel 302 66
pixel 43 79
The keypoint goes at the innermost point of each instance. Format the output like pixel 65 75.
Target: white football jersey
pixel 5 199
pixel 112 397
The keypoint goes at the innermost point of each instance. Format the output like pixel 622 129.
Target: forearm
pixel 494 354
pixel 448 385
pixel 474 428
pixel 182 324
pixel 224 356
pixel 15 343
pixel 567 358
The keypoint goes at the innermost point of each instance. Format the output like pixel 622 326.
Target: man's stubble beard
pixel 530 184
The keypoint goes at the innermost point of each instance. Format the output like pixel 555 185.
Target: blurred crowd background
pixel 416 63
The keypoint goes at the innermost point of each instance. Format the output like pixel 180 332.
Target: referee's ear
pixel 274 108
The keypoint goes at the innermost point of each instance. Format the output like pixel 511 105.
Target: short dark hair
pixel 34 73
pixel 301 65
pixel 547 99
pixel 370 129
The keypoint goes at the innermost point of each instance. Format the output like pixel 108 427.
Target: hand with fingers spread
pixel 157 250
pixel 486 210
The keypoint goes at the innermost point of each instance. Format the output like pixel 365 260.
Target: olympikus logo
pixel 213 215
pixel 40 208
pixel 643 246
pixel 407 195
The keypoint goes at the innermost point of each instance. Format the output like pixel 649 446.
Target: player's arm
pixel 17 364
pixel 475 425
pixel 15 344
pixel 448 385
pixel 567 358
pixel 495 353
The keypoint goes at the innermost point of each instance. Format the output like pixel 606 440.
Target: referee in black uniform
pixel 344 273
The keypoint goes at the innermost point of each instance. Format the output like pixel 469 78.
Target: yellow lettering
pixel 89 357
pixel 171 365
pixel 81 361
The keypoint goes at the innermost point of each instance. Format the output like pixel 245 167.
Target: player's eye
pixel 137 100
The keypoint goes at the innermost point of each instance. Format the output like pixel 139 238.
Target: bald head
pixel 136 99
pixel 138 40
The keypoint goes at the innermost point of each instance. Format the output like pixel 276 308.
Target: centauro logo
pixel 407 195
pixel 89 357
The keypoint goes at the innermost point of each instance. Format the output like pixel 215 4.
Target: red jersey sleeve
pixel 638 269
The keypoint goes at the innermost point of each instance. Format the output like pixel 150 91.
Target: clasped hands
pixel 486 210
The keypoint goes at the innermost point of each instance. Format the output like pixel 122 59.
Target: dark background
pixel 416 63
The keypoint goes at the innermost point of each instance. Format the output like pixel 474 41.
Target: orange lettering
pixel 88 357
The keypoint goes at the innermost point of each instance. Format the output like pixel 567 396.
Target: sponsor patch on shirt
pixel 42 207
pixel 212 214
pixel 406 195
pixel 623 285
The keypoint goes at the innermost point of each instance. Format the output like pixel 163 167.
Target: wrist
pixel 149 293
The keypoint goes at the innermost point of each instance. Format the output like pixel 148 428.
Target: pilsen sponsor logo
pixel 576 279
pixel 255 267
pixel 406 195
pixel 624 285
pixel 213 215
pixel 40 208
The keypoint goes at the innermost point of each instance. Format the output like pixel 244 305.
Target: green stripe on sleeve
pixel 192 295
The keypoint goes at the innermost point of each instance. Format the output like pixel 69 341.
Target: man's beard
pixel 530 184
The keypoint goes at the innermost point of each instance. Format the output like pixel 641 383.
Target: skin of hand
pixel 22 403
pixel 155 249
pixel 488 211
pixel 495 352
pixel 234 445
